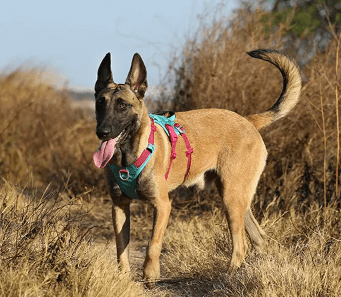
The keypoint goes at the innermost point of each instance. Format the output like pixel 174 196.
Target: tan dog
pixel 226 146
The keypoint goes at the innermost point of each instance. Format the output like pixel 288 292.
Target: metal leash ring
pixel 124 171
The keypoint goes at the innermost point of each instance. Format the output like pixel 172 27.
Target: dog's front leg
pixel 162 208
pixel 121 221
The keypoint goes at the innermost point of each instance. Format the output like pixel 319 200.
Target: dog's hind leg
pixel 162 208
pixel 121 222
pixel 237 186
pixel 236 207
pixel 255 232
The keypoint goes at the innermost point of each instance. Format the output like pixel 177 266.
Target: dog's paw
pixel 151 273
pixel 150 284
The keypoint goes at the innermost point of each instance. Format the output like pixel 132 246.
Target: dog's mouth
pixel 106 150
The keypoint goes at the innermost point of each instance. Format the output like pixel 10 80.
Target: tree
pixel 311 24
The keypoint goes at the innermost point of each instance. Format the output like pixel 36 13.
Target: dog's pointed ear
pixel 137 76
pixel 104 74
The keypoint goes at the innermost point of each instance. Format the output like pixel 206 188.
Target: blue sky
pixel 71 37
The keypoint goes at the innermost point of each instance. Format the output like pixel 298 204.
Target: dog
pixel 225 145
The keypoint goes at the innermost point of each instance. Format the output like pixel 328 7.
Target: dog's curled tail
pixel 291 87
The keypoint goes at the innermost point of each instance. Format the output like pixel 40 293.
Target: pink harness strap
pixel 145 154
pixel 188 146
pixel 174 138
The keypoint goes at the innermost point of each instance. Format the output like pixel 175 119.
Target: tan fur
pixel 223 142
pixel 291 91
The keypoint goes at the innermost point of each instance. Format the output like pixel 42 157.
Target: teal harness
pixel 126 177
pixel 164 121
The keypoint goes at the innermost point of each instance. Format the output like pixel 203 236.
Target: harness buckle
pixel 125 171
pixel 150 147
pixel 179 128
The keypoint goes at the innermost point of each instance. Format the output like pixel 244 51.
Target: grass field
pixel 52 244
pixel 56 236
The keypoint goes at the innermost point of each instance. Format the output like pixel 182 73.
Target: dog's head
pixel 119 107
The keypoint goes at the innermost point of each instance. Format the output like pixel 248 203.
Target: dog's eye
pixel 122 105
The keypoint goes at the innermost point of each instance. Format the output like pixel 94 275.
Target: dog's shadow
pixel 200 286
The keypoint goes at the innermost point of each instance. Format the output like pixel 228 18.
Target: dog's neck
pixel 135 143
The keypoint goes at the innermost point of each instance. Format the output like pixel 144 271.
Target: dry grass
pixel 45 250
pixel 303 257
pixel 42 138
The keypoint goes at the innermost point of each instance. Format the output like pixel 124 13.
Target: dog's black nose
pixel 102 132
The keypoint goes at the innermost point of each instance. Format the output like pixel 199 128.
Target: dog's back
pixel 217 136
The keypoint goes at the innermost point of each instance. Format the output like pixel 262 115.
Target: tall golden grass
pixel 303 256
pixel 42 138
pixel 45 250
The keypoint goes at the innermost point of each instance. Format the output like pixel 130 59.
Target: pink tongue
pixel 104 153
